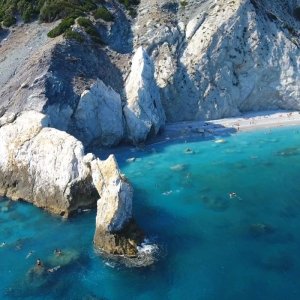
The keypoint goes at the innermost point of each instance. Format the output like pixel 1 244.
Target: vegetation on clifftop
pixel 67 10
pixel 51 10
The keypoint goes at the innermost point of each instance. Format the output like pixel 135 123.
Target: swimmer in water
pixel 53 269
pixel 29 254
pixel 232 195
pixel 39 263
pixel 57 252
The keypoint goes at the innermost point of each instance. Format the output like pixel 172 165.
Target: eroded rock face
pixel 48 168
pixel 99 115
pixel 216 59
pixel 143 112
pixel 116 232
pixel 44 166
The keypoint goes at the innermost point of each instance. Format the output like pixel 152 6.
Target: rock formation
pixel 216 59
pixel 201 60
pixel 48 168
pixel 98 116
pixel 143 112
pixel 44 166
pixel 116 231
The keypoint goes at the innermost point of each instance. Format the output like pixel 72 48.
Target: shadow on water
pixel 173 133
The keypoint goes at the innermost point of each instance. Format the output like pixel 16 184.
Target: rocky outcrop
pixel 44 166
pixel 215 59
pixel 48 168
pixel 116 231
pixel 143 112
pixel 99 116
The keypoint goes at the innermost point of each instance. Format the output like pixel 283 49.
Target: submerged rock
pixel 218 204
pixel 63 258
pixel 261 229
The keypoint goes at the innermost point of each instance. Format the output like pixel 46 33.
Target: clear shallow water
pixel 213 246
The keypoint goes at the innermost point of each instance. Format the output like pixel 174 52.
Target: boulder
pixel 44 166
pixel 143 112
pixel 98 116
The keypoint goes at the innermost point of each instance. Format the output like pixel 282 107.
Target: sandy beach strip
pixel 245 122
pixel 213 129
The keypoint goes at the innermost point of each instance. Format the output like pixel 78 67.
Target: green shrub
pixel 9 20
pixel 183 3
pixel 129 3
pixel 48 10
pixel 2 14
pixel 104 14
pixel 61 27
pixel 84 22
pixel 90 29
pixel 73 35
pixel 56 10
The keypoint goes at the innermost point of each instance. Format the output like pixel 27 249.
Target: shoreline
pixel 246 122
pixel 212 129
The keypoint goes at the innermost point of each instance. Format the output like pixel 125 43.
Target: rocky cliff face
pixel 143 112
pixel 215 59
pixel 199 60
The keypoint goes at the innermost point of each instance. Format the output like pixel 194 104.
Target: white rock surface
pixel 45 166
pixel 114 208
pixel 215 59
pixel 48 168
pixel 143 112
pixel 99 115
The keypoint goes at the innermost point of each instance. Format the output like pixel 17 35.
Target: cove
pixel 212 245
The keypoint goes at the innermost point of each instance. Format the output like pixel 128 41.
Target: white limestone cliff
pixel 98 115
pixel 215 59
pixel 143 112
pixel 114 208
pixel 43 165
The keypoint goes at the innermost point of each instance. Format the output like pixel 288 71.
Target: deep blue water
pixel 212 246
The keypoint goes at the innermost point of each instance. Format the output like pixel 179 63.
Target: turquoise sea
pixel 213 245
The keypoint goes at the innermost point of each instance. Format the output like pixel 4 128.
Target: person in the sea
pixel 53 269
pixel 232 194
pixel 38 269
pixel 39 263
pixel 29 254
pixel 57 252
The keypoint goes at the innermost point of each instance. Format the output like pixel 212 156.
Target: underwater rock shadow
pixel 38 284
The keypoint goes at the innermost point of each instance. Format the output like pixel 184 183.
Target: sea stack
pixel 116 232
